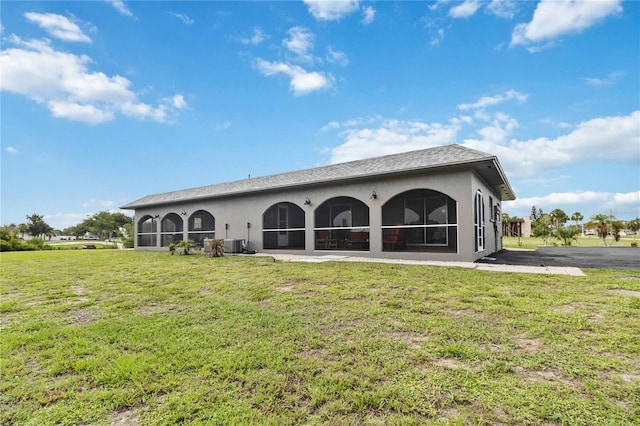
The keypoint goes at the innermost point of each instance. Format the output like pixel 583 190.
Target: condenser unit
pixel 233 246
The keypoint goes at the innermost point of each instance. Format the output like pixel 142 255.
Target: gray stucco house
pixel 439 203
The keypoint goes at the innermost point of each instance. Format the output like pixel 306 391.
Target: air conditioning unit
pixel 233 246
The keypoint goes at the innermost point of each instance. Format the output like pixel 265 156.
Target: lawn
pixel 143 338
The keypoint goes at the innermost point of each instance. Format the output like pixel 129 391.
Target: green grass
pixel 121 337
pixel 587 241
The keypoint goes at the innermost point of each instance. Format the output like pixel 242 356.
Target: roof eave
pixel 135 205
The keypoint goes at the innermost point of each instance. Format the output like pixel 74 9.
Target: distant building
pixel 440 203
pixel 519 227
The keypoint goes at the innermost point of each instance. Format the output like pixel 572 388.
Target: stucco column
pixel 375 226
pixel 185 226
pixel 309 223
pixel 158 229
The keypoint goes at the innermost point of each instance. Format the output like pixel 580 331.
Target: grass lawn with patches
pixel 130 337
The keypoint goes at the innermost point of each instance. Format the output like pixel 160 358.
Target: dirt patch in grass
pixel 528 345
pixel 623 292
pixel 629 278
pixel 450 363
pixel 285 288
pixel 85 316
pixel 462 313
pixel 412 339
pixel 571 307
pixel 630 378
pixel 547 375
pixel 126 416
pixel 155 308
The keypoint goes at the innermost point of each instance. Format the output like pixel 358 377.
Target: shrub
pixel 6 245
pixel 37 243
pixel 567 235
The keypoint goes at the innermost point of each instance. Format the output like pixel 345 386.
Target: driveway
pixel 579 257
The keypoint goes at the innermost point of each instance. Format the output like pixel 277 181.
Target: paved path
pixel 579 257
pixel 527 269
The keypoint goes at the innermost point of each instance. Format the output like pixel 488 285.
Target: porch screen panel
pixel 283 227
pixel 342 223
pixel 171 229
pixel 420 220
pixel 147 228
pixel 202 225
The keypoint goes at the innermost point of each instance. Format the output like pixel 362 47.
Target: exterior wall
pixel 238 211
pixel 493 218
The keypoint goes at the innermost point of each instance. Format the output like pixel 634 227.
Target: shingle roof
pixel 443 156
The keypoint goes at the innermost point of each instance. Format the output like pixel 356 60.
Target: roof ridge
pixel 426 158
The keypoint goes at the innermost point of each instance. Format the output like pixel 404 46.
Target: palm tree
pixel 559 217
pixel 23 228
pixel 187 245
pixel 577 217
pixel 602 232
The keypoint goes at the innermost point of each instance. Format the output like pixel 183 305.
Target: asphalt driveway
pixel 579 257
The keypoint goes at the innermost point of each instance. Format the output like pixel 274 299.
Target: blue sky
pixel 105 102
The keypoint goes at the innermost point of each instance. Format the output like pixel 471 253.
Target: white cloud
pixel 324 10
pixel 97 203
pixel 486 101
pixel 258 37
pixel 78 112
pixel 64 84
pixel 184 18
pixel 12 150
pixel 436 5
pixel 435 40
pixel 121 7
pixel 465 10
pixel 554 18
pixel 628 198
pixel 58 26
pixel 178 102
pixel 390 137
pixel 335 56
pixel 302 82
pixel 223 126
pixel 300 42
pixel 607 81
pixel 368 15
pixel 502 8
pixel 614 138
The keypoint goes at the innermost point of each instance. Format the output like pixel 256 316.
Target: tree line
pixel 104 225
pixel 553 224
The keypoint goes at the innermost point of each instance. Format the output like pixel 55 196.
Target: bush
pixel 37 244
pixel 15 244
pixel 567 235
pixel 6 245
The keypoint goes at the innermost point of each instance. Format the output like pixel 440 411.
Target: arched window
pixel 420 220
pixel 171 229
pixel 147 228
pixel 342 223
pixel 283 227
pixel 202 225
